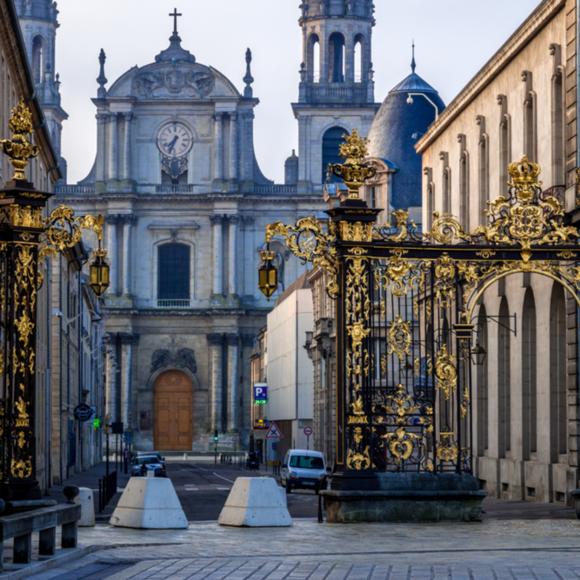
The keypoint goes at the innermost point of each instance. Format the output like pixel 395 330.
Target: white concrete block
pixel 255 502
pixel 149 503
pixel 85 498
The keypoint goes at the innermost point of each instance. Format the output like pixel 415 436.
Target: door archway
pixel 173 412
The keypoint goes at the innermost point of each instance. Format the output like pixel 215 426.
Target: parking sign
pixel 260 393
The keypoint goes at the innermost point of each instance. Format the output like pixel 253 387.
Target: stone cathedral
pixel 186 205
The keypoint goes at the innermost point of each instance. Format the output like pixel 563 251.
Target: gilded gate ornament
pixel 399 338
pixel 445 372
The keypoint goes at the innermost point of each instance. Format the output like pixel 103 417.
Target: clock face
pixel 174 140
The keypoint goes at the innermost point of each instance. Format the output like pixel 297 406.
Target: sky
pixel 453 38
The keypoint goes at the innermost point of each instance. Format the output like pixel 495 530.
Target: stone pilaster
pixel 111 368
pixel 233 255
pixel 126 151
pixel 102 119
pixel 128 222
pixel 219 146
pixel 127 343
pixel 216 356
pixel 112 221
pixel 233 171
pixel 233 342
pixel 218 258
pixel 113 157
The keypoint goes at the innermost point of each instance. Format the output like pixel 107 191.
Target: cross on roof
pixel 175 14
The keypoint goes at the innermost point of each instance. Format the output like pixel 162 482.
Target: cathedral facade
pixel 186 207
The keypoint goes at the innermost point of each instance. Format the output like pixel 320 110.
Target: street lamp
pixel 410 101
pixel 99 269
pixel 478 355
pixel 267 274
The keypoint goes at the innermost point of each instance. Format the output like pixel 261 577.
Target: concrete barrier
pixel 255 502
pixel 86 500
pixel 149 503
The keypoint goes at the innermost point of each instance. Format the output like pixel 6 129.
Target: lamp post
pixel 26 238
pixel 410 101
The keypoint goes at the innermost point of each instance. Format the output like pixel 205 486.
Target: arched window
pixel 332 140
pixel 464 190
pixel 358 58
pixel 37 58
pixel 336 57
pixel 530 122
pixel 504 379
pixel 314 58
pixel 558 140
pixel 482 386
pixel 483 177
pixel 529 385
pixel 173 274
pixel 558 407
pixel 504 152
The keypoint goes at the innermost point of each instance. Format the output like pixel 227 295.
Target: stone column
pixel 233 380
pixel 113 166
pixel 218 264
pixel 111 367
pixel 215 342
pixel 219 146
pixel 126 154
pixel 233 146
pixel 233 255
pixel 112 221
pixel 127 342
pixel 102 119
pixel 128 221
pixel 349 65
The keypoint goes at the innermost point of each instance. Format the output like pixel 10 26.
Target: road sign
pixel 274 432
pixel 308 431
pixel 260 393
pixel 83 412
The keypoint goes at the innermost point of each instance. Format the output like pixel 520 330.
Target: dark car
pixel 144 463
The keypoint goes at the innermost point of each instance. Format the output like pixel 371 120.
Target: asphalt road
pixel 203 489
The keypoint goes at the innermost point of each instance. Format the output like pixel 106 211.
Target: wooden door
pixel 173 412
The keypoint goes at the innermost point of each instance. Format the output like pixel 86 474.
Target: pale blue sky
pixel 454 39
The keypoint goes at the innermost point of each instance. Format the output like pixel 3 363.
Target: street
pixel 204 487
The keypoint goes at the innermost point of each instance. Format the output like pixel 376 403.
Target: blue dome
pixel 395 130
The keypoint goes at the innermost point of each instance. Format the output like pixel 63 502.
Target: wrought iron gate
pixel 406 302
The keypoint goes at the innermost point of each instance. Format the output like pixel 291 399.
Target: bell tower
pixel 38 20
pixel 336 91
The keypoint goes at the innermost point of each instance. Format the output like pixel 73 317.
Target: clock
pixel 174 139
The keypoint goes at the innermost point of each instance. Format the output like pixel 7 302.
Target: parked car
pixel 144 463
pixel 303 469
pixel 149 453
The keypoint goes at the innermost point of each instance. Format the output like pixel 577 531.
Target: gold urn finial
pixel 354 171
pixel 19 148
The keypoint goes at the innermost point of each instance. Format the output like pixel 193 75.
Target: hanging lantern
pixel 267 274
pixel 99 273
pixel 478 355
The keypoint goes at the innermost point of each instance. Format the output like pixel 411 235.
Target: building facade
pixel 522 102
pixel 186 207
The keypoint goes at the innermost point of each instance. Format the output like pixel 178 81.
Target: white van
pixel 302 469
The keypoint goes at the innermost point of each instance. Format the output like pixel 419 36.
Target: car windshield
pixel 306 462
pixel 144 459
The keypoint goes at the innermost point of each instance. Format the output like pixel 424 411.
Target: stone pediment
pixel 162 81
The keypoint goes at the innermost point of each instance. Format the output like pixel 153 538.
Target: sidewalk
pixel 546 549
pixel 90 478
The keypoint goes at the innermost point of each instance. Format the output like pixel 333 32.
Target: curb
pixel 36 567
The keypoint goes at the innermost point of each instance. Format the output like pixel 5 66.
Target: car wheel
pixel 288 487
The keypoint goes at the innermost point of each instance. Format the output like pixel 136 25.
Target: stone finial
pixel 413 63
pixel 248 79
pixel 102 79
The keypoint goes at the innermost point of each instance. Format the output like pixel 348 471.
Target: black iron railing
pixel 107 489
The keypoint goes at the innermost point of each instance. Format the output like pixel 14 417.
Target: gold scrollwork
pixel 22 418
pixel 445 372
pixel 399 338
pixel 446 229
pixel 21 468
pixel 355 232
pixel 447 448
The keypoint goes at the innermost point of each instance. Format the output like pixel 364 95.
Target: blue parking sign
pixel 260 393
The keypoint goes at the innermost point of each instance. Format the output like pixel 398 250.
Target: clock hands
pixel 171 144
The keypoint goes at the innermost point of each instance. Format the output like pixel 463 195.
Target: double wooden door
pixel 173 412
